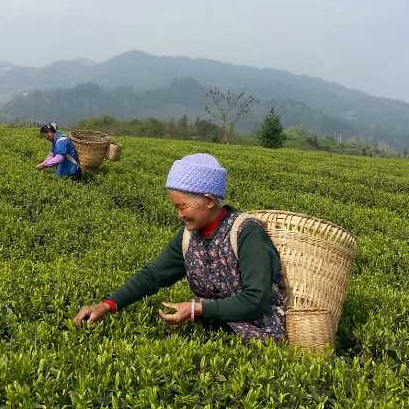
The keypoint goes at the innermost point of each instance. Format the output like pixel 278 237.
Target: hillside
pixel 379 119
pixel 64 244
pixel 184 96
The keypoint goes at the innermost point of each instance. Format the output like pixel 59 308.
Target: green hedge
pixel 63 244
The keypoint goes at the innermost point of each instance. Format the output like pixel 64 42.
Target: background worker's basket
pixel 316 256
pixel 91 147
pixel 113 152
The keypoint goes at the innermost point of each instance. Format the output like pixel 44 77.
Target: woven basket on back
pixel 91 147
pixel 316 257
pixel 113 152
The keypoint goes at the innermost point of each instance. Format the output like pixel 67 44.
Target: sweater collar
pixel 211 227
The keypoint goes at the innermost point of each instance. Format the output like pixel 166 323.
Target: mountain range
pixel 139 84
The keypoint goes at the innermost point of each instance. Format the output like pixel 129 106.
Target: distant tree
pixel 169 128
pixel 151 127
pixel 207 131
pixel 201 129
pixel 102 123
pixel 183 127
pixel 108 120
pixel 313 141
pixel 271 133
pixel 227 108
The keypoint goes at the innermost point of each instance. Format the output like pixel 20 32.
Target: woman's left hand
pixel 182 313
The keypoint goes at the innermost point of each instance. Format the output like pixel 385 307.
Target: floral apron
pixel 213 272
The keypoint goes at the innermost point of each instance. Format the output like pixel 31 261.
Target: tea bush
pixel 63 244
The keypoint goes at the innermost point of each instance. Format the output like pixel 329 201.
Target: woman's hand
pixel 182 313
pixel 91 314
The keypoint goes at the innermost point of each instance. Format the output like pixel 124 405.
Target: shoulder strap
pixel 234 232
pixel 72 159
pixel 61 139
pixel 67 156
pixel 185 241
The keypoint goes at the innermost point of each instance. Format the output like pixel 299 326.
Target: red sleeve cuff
pixel 112 305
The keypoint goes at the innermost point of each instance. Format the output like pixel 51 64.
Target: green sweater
pixel 258 261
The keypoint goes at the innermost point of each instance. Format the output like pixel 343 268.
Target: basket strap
pixel 62 138
pixel 68 156
pixel 72 160
pixel 234 232
pixel 185 241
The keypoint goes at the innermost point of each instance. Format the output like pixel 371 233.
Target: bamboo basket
pixel 91 147
pixel 311 328
pixel 316 256
pixel 113 152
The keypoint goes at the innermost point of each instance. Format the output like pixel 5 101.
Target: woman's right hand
pixel 91 314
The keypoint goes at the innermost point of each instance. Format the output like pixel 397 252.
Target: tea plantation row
pixel 64 244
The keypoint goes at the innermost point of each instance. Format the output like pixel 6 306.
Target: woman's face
pixel 194 211
pixel 49 136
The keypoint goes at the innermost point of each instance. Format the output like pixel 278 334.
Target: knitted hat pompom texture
pixel 199 173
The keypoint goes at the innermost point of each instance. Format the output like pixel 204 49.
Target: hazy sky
pixel 358 43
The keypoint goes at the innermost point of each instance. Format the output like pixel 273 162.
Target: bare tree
pixel 228 107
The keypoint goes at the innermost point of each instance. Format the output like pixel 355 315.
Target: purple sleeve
pixel 52 161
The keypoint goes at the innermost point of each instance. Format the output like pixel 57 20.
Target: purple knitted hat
pixel 199 173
